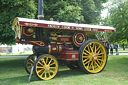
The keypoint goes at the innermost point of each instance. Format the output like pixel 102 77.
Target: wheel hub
pixel 47 67
pixel 94 56
pixel 80 38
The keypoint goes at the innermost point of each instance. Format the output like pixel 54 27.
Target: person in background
pixel 116 48
pixel 111 49
pixel 108 47
pixel 123 46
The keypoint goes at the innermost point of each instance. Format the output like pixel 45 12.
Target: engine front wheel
pixel 92 56
pixel 46 67
pixel 29 62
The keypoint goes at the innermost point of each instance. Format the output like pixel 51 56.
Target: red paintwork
pixel 66 39
pixel 63 27
pixel 69 55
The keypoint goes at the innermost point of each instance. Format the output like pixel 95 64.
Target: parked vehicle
pixel 60 41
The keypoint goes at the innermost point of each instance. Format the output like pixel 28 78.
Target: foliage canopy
pixel 118 18
pixel 9 9
pixel 77 11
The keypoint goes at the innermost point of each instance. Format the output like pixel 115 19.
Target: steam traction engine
pixel 58 41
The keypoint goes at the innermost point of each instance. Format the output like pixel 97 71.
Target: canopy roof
pixel 60 25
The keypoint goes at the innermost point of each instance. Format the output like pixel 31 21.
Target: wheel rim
pixel 30 63
pixel 46 67
pixel 94 57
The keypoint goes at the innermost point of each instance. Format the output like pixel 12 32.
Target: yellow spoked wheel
pixel 92 56
pixel 46 67
pixel 29 62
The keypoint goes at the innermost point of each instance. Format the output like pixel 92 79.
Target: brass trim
pixel 63 43
pixel 40 15
pixel 68 59
pixel 49 50
pixel 62 36
pixel 70 53
pixel 60 48
pixel 54 48
pixel 27 34
pixel 36 42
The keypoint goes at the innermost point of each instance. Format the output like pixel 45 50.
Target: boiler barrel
pixel 51 49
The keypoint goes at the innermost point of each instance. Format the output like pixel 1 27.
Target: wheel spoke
pixel 52 64
pixel 87 51
pixel 97 49
pixel 45 75
pixel 31 60
pixel 91 48
pixel 49 74
pixel 100 53
pixel 97 64
pixel 87 66
pixel 100 60
pixel 52 67
pixel 52 71
pixel 42 73
pixel 88 48
pixel 46 60
pixel 50 61
pixel 85 56
pixel 29 63
pixel 39 67
pixel 99 56
pixel 40 63
pixel 29 67
pixel 39 71
pixel 93 66
pixel 86 62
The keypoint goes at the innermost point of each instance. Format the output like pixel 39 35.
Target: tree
pixel 9 9
pixel 62 11
pixel 88 11
pixel 91 9
pixel 118 18
pixel 77 11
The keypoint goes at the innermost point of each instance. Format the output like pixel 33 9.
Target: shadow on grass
pixel 15 80
pixel 15 66
pixel 67 73
pixel 12 62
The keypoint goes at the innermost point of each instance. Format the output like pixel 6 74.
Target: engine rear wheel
pixel 46 67
pixel 92 56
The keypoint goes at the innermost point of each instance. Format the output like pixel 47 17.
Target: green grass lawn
pixel 121 50
pixel 116 73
